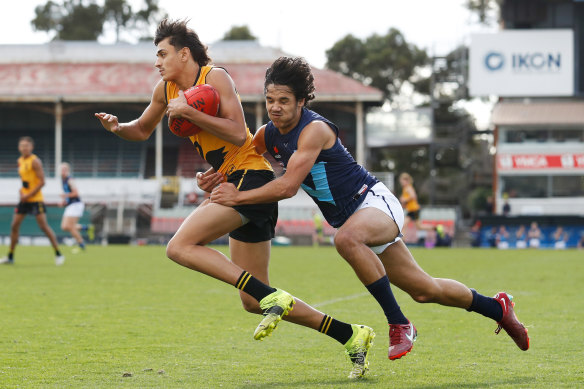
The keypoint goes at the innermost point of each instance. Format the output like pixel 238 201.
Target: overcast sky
pixel 300 27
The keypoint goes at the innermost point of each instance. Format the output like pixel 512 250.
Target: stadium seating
pixel 547 239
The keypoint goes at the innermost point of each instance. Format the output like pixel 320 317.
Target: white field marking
pixel 339 299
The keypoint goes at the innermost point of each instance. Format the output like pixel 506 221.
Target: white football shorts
pixel 74 209
pixel 380 197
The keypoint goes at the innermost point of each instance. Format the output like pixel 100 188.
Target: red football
pixel 202 97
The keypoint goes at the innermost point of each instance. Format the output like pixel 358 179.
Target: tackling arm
pixel 314 138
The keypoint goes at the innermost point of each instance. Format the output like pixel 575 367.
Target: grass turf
pixel 123 316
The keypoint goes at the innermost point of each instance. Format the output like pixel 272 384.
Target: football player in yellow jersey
pixel 30 169
pixel 227 145
pixel 409 201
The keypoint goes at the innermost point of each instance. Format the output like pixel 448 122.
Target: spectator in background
pixel 318 233
pixel 489 205
pixel 560 238
pixel 521 237
pixel 502 238
pixel 443 238
pixel 581 242
pixel 506 205
pixel 492 237
pixel 534 235
pixel 475 234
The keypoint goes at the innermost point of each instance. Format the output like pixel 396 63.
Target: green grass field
pixel 122 310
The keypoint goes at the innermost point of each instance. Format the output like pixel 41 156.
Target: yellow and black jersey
pixel 29 178
pixel 412 204
pixel 223 156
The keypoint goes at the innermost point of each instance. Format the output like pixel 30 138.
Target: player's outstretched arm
pixel 139 129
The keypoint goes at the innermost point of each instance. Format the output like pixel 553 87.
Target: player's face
pixel 168 61
pixel 283 108
pixel 64 171
pixel 25 148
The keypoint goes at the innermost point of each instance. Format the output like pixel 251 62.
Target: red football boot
pixel 401 340
pixel 510 323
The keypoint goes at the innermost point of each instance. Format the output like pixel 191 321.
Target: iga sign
pixel 522 63
pixel 540 161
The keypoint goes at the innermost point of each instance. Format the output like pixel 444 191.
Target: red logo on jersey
pixel 275 149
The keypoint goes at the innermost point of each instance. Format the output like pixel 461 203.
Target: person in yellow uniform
pixel 226 144
pixel 409 201
pixel 30 169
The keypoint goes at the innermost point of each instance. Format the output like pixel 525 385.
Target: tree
pixel 239 33
pixel 383 61
pixel 119 12
pixel 70 21
pixel 483 7
pixel 84 20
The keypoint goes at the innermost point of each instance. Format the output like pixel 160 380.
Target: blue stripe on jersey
pixel 322 190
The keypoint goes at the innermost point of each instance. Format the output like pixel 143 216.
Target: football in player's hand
pixel 202 97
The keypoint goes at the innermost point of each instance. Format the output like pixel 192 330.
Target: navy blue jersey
pixel 336 183
pixel 67 189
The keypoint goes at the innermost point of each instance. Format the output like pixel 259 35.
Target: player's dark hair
pixel 182 36
pixel 294 73
pixel 27 139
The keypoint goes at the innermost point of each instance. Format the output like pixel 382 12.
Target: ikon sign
pixel 540 161
pixel 522 63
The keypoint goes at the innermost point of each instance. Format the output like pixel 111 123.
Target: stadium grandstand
pixel 534 65
pixel 138 189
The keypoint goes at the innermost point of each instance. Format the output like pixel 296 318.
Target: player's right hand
pixel 209 179
pixel 108 121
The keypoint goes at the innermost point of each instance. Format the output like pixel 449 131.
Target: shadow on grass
pixel 504 382
pixel 335 383
pixel 374 382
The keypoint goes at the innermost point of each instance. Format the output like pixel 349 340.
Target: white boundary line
pixel 350 297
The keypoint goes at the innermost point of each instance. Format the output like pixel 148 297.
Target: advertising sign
pixel 522 63
pixel 540 161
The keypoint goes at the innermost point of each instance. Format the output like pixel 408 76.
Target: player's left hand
pixel 176 106
pixel 224 194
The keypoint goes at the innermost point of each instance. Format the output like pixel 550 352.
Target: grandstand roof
pixel 89 71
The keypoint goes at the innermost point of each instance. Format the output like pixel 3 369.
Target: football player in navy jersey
pixel 368 216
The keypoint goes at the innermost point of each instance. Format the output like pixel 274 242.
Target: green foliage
pixel 239 33
pixel 477 199
pixel 482 8
pixel 119 13
pixel 73 20
pixel 83 20
pixel 383 61
pixel 124 309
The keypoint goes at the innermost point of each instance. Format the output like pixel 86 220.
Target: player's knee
pixel 65 227
pixel 173 250
pixel 345 241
